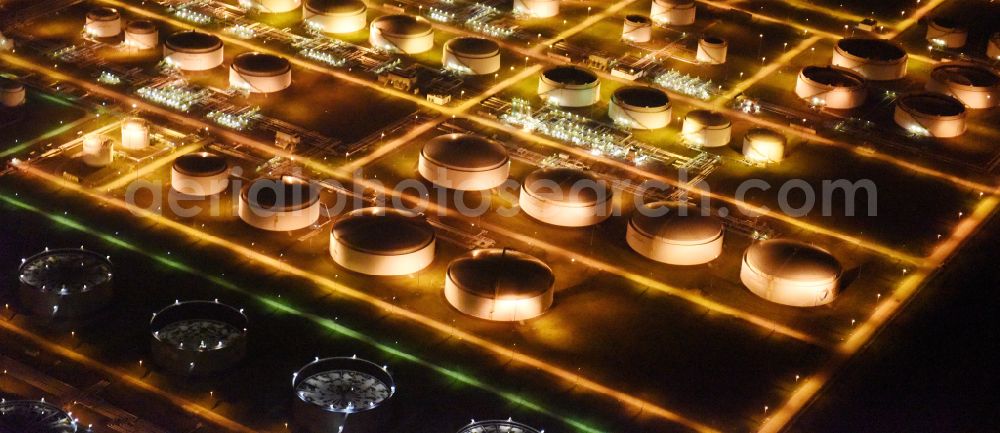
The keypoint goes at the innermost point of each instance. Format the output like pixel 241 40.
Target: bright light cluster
pixel 568 127
pixel 238 122
pixel 241 31
pixel 192 16
pixel 175 96
pixel 685 84
pixel 108 78
pixel 323 57
pixel 440 15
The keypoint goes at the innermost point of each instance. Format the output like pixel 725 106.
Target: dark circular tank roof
pixel 103 14
pixel 567 186
pixel 140 26
pixel 570 75
pixel 281 194
pixel 200 164
pixel 473 46
pixel 766 134
pixel 193 42
pixel 29 416
pixel 402 25
pixel 933 104
pixel 501 273
pixel 254 63
pixel 966 75
pixel 638 19
pixel 465 152
pixel 641 96
pixel 336 6
pixel 833 76
pixel 872 49
pixel 713 40
pixel 383 231
pixel 10 85
pixel 792 260
pixel 947 22
pixel 708 117
pixel 207 310
pixel 498 426
pixel 71 269
pixel 675 2
pixel 664 220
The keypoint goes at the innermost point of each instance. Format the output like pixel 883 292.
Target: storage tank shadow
pixel 342 395
pixel 196 338
pixel 68 284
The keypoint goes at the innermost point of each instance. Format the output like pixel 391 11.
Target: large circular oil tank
pixel 382 241
pixel 537 8
pixel 712 50
pixel 468 55
pixel 260 73
pixel 566 197
pixel 277 6
pixel 336 16
pixel 142 34
pixel 103 22
pixel 342 395
pixel 707 128
pixel 874 59
pixel 975 86
pixel 637 28
pixel 199 174
pixel 31 416
pixel 135 134
pixel 12 93
pixel 764 146
pixel 65 283
pixel 569 86
pixel 402 33
pixel 930 114
pixel 500 285
pixel 198 337
pixel 946 32
pixel 193 51
pixel 791 273
pixel 280 204
pixel 640 107
pixel 673 12
pixel 98 150
pixel 675 233
pixel 464 162
pixel 831 87
pixel 498 426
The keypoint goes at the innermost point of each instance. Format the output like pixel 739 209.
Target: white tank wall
pixel 763 149
pixel 142 41
pixel 637 32
pixel 277 6
pixel 703 135
pixel 840 98
pixel 934 126
pixel 501 310
pixel 97 150
pixel 377 264
pixel 13 97
pixel 199 186
pixel 194 61
pixel 537 8
pixel 407 45
pixel 877 71
pixel 561 215
pixel 336 23
pixel 993 47
pixel 664 251
pixel 259 84
pixel 103 29
pixel 472 65
pixel 678 15
pixel 135 134
pixel 949 38
pixel 462 179
pixel 795 293
pixel 278 221
pixel 640 117
pixel 569 96
pixel 710 53
pixel 973 97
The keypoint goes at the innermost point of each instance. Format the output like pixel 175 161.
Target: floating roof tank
pixel 142 34
pixel 280 204
pixel 640 107
pixel 569 86
pixel 193 51
pixel 31 416
pixel 346 395
pixel 831 87
pixel 874 59
pixel 498 426
pixel 712 50
pixel 65 283
pixel 469 55
pixel 103 22
pixel 763 145
pixel 946 32
pixel 975 86
pixel 199 174
pixel 707 128
pixel 673 12
pixel 260 73
pixel 637 28
pixel 198 337
pixel 537 8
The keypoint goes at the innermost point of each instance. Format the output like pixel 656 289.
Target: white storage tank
pixel 199 174
pixel 12 93
pixel 98 150
pixel 135 134
pixel 498 426
pixel 382 241
pixel 569 86
pixel 65 283
pixel 673 12
pixel 791 273
pixel 260 73
pixel 712 50
pixel 198 337
pixel 464 162
pixel 764 146
pixel 342 395
pixel 103 22
pixel 637 28
pixel 931 114
pixel 280 204
pixel 706 128
pixel 675 233
pixel 142 35
pixel 537 8
pixel 336 16
pixel 566 197
pixel 975 86
pixel 193 51
pixel 874 59
pixel 468 55
pixel 946 32
pixel 499 284
pixel 993 47
pixel 640 107
pixel 831 87
pixel 402 33
pixel 277 6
